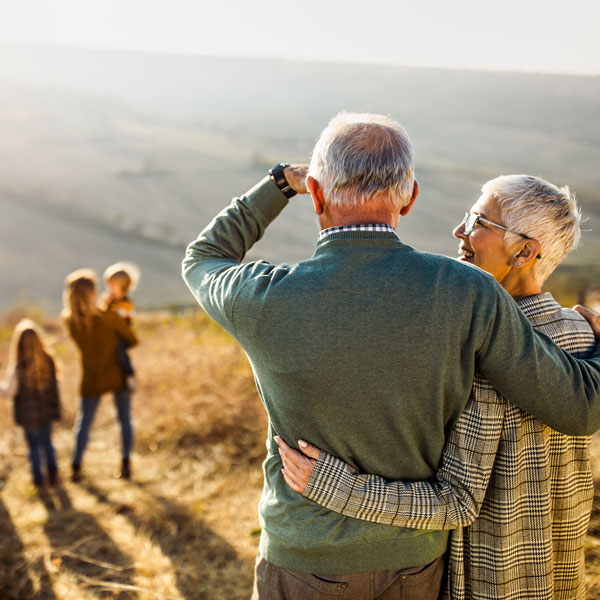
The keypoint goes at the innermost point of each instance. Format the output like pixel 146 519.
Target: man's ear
pixel 314 188
pixel 530 250
pixel 406 209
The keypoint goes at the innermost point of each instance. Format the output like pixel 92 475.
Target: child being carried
pixel 121 279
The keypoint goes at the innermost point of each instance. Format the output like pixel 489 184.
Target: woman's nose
pixel 459 231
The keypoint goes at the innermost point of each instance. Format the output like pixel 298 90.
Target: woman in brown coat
pixel 97 335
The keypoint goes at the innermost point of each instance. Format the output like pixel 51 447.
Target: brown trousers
pixel 416 583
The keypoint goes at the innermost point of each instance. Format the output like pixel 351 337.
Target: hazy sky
pixel 529 35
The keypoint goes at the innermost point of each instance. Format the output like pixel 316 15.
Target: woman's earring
pixel 517 264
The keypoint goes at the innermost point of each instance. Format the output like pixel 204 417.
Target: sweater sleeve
pixel 123 330
pixel 532 372
pixel 453 499
pixel 212 269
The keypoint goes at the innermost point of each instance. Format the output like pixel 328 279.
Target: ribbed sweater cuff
pixel 266 198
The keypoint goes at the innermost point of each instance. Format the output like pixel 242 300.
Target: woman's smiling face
pixel 485 246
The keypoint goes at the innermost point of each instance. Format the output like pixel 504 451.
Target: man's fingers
pixel 296 177
pixel 584 310
pixel 590 316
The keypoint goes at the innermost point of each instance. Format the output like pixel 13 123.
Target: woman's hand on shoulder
pixel 297 467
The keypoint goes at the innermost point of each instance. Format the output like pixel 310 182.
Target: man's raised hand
pixel 296 177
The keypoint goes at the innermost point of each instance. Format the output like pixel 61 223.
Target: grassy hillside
pixel 185 527
pixel 124 155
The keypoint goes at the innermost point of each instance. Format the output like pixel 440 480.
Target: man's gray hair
pixel 359 156
pixel 541 210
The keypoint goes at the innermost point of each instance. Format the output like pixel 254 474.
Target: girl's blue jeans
pixel 39 438
pixel 85 418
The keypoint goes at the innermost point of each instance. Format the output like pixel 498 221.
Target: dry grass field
pixel 185 527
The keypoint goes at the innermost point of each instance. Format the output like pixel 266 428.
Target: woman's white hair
pixel 542 211
pixel 362 155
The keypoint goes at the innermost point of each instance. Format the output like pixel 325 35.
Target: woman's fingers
pixel 286 459
pixel 309 449
pixel 297 468
pixel 289 456
pixel 291 481
pixel 300 471
pixel 297 477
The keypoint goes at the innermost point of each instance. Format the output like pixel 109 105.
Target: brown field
pixel 186 526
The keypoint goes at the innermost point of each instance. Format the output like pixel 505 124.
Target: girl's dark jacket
pixel 36 407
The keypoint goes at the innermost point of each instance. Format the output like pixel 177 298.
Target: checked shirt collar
pixel 382 227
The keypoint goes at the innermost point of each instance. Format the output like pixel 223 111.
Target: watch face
pixel 278 168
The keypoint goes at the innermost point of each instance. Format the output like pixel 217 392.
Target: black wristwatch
pixel 276 173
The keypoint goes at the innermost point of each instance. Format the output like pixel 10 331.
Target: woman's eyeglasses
pixel 471 219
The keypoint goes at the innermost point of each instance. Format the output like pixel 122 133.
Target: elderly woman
pixel 517 493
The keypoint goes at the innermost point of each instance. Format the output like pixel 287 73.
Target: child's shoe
pixel 76 473
pixel 53 477
pixel 125 469
pixel 39 483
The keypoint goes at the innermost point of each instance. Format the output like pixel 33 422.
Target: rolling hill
pixel 123 155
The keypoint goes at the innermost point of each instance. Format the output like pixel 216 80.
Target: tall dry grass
pixel 186 526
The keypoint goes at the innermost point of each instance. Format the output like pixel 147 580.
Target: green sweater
pixel 368 350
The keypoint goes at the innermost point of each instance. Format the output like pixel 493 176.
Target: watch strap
pixel 276 173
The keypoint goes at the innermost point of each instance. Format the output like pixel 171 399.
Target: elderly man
pixel 370 345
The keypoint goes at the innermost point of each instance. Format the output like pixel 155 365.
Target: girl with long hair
pixel 32 382
pixel 97 334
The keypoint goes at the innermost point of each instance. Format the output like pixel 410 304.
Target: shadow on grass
pixel 81 546
pixel 15 581
pixel 205 565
